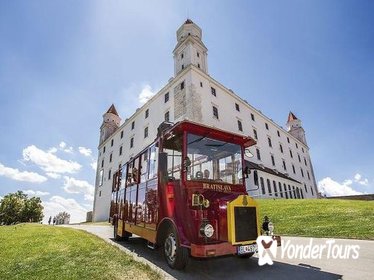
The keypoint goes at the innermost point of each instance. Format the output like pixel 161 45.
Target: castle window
pixel 201 84
pixel 275 188
pixel 167 116
pixel 291 155
pixel 285 190
pixel 280 189
pixel 102 163
pixel 237 107
pixel 306 189
pixel 299 157
pixel 269 142
pixel 302 149
pixel 109 174
pixel 278 133
pixel 104 150
pixel 281 148
pixel 131 142
pixel 288 140
pixel 213 91
pixel 100 193
pixel 293 169
pixel 255 178
pixel 182 66
pixel 240 126
pixel 110 157
pixel 284 164
pixel 296 145
pixel 120 151
pixel 255 134
pixel 215 112
pixel 198 65
pixel 266 126
pixel 311 190
pixel 252 117
pixel 182 56
pixel 198 55
pixel 305 162
pixel 308 175
pixel 121 134
pixel 182 85
pixel 262 185
pixel 132 125
pixel 258 154
pixel 147 113
pixel 146 132
pixel 112 142
pixel 272 160
pixel 166 97
pixel 269 186
pixel 302 172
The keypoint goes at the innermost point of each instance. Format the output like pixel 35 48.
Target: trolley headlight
pixel 207 230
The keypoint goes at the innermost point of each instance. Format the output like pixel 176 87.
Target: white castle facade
pixel 281 166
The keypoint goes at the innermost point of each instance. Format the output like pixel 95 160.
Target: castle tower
pixel 295 129
pixel 111 121
pixel 190 48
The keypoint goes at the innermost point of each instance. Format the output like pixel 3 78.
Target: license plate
pixel 246 249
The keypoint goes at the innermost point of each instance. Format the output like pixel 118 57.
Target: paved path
pixel 236 268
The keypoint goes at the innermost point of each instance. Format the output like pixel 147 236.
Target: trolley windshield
pixel 213 160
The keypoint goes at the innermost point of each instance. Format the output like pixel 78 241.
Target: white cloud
pixel 94 165
pixel 360 180
pixel 35 193
pixel 48 161
pixel 72 185
pixel 57 204
pixel 62 145
pixel 23 176
pixel 146 94
pixel 65 148
pixel 53 175
pixel 52 150
pixel 329 187
pixel 85 151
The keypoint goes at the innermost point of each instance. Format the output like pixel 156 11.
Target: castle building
pixel 281 166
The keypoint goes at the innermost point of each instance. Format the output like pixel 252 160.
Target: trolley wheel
pixel 176 256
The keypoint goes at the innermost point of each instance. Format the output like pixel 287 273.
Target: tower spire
pixel 190 49
pixel 295 128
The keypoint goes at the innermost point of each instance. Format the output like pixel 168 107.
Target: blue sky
pixel 62 64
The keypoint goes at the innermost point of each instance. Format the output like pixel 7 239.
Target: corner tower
pixel 295 129
pixel 111 121
pixel 190 48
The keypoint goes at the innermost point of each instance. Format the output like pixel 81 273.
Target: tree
pixel 18 208
pixel 62 218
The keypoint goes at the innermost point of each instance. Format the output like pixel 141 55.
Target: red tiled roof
pixel 112 110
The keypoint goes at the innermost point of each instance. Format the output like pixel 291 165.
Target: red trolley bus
pixel 186 193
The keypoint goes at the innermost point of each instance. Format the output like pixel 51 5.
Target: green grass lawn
pixel 320 218
pixel 32 251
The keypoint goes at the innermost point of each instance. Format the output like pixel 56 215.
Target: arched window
pixel 269 186
pixel 280 189
pixel 262 185
pixel 255 178
pixel 275 188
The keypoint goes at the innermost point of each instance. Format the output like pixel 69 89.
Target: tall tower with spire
pixel 295 128
pixel 111 121
pixel 190 48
